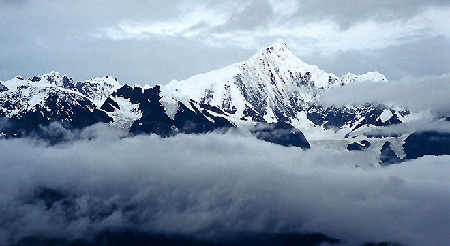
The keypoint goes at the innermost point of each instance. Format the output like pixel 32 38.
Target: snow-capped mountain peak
pixel 98 89
pixel 280 43
pixel 278 58
pixel 21 95
pixel 279 48
pixel 52 79
pixel 273 84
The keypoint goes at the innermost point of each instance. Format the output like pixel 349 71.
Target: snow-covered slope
pixel 273 95
pixel 97 89
pixel 22 95
pixel 273 85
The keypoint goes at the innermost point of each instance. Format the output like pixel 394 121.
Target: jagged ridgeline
pixel 273 95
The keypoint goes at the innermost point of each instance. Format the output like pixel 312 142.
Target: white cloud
pixel 283 8
pixel 439 21
pixel 208 24
pixel 371 35
pixel 189 24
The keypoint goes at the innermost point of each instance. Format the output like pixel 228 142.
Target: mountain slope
pixel 153 118
pixel 276 86
pixel 273 95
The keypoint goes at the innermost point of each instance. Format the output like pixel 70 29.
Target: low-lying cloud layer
pixel 207 185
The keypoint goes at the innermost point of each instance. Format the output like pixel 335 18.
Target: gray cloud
pixel 424 94
pixel 253 14
pixel 415 126
pixel 70 37
pixel 351 12
pixel 419 58
pixel 212 184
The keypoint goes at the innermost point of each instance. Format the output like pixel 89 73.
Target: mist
pixel 216 184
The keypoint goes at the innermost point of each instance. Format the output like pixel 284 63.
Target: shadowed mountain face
pixel 420 144
pixel 358 146
pixel 388 155
pixel 71 112
pixel 281 133
pixel 155 120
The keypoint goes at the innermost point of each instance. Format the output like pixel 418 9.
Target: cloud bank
pixel 210 185
pixel 423 94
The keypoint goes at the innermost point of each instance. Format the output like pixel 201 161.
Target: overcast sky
pixel 153 42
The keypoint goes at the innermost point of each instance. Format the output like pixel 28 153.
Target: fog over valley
pixel 213 185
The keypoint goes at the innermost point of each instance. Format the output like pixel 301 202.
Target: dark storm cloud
pixel 206 185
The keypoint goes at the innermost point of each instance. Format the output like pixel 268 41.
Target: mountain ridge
pixel 273 87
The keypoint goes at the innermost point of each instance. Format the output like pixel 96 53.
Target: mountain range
pixel 273 96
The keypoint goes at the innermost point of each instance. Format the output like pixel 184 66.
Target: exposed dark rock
pixel 35 79
pixel 3 87
pixel 155 120
pixel 355 117
pixel 392 135
pixel 420 144
pixel 281 133
pixel 364 144
pixel 70 113
pixel 388 156
pixel 110 105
